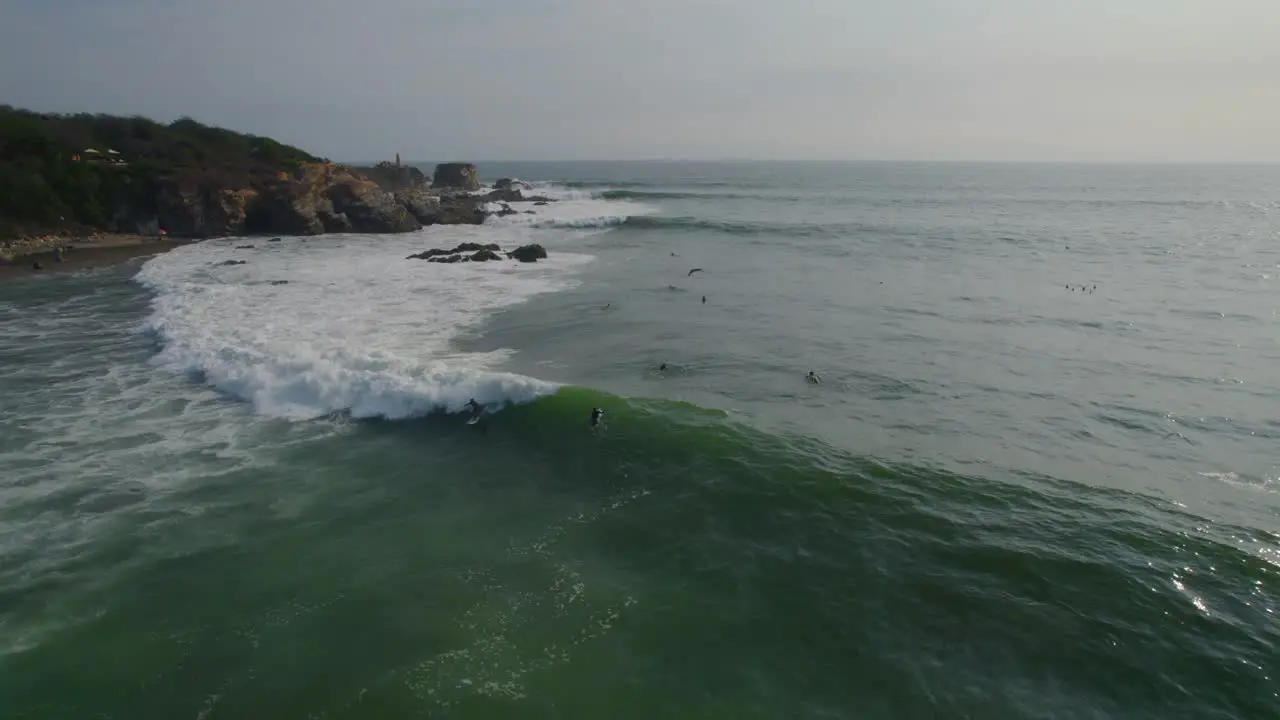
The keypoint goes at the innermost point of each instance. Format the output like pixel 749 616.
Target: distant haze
pixel 1108 80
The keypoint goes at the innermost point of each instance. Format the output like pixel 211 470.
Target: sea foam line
pixel 355 327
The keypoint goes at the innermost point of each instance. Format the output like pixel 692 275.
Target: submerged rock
pixel 528 253
pixel 244 247
pixel 225 263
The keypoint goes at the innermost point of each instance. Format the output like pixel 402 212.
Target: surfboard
pixel 474 420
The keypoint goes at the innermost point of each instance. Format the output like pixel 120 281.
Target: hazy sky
pixel 579 79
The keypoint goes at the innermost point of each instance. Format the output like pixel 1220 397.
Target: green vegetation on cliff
pixel 81 172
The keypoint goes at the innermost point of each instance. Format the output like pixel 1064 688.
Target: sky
pixel 1046 80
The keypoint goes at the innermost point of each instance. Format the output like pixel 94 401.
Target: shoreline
pixel 85 254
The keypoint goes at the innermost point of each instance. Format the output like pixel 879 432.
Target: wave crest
pixel 356 329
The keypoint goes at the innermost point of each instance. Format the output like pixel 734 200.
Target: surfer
pixel 704 299
pixel 662 367
pixel 476 409
pixel 596 415
pixel 813 377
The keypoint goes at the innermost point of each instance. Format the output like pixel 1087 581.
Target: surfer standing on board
pixel 476 409
pixel 596 415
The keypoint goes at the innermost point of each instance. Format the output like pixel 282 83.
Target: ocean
pixel 1040 477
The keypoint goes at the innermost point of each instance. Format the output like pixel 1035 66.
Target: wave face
pixel 344 323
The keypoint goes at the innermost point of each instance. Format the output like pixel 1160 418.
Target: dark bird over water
pixel 694 271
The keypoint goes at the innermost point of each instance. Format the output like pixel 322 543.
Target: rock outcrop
pixel 393 178
pixel 504 183
pixel 460 211
pixel 463 248
pixel 528 253
pixel 484 256
pixel 461 176
pixel 475 252
pixel 421 204
pixel 370 209
pixel 507 194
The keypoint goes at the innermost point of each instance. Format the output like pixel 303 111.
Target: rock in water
pixel 225 263
pixel 504 183
pixel 456 175
pixel 464 247
pixel 504 195
pixel 528 253
pixel 485 255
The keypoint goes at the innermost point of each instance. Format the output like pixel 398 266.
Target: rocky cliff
pixel 315 198
pixel 65 176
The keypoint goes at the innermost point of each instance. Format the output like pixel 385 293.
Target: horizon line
pixel 835 161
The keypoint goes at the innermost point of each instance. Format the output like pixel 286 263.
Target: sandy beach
pixel 86 253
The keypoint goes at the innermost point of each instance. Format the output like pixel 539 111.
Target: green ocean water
pixel 1009 498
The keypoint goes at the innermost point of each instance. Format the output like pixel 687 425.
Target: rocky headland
pixel 68 178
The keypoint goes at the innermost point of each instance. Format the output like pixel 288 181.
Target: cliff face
pixel 315 198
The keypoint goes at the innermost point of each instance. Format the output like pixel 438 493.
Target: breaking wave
pixel 344 323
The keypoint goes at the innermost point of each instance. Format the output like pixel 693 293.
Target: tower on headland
pixel 397 159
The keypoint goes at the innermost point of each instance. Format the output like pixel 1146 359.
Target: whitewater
pixel 308 327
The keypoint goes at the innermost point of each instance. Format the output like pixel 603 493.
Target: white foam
pixel 571 210
pixel 358 327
